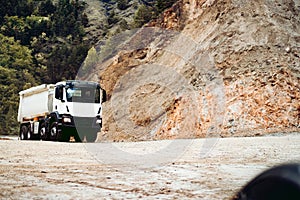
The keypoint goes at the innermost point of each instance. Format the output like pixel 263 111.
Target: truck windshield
pixel 83 94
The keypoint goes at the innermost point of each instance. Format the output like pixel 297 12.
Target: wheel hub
pixel 22 136
pixel 43 130
pixel 53 131
pixel 28 134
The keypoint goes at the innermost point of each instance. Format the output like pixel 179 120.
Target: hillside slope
pixel 209 68
pixel 110 17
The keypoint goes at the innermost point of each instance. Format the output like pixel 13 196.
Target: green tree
pixel 16 66
pixel 67 18
pixel 122 4
pixel 143 15
pixel 13 55
pixel 65 60
pixel 16 27
pixel 40 41
pixel 124 25
pixel 24 29
pixel 161 5
pixel 21 8
pixel 113 18
pixel 90 61
pixel 46 8
pixel 8 101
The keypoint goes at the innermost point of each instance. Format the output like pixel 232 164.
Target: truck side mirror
pixel 59 93
pixel 104 96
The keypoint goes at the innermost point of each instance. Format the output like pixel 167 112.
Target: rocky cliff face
pixel 208 68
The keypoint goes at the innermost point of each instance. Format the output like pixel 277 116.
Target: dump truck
pixel 62 111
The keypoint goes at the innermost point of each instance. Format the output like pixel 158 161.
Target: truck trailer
pixel 61 111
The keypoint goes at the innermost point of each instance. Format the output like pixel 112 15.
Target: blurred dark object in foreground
pixel 280 182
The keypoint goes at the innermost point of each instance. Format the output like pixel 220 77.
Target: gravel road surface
pixel 213 168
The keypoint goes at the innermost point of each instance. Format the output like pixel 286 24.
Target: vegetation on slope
pixel 41 42
pixel 45 41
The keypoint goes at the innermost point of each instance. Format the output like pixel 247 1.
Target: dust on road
pixel 51 170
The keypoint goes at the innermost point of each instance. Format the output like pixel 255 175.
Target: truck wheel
pixel 42 132
pixel 23 132
pixel 28 134
pixel 53 131
pixel 78 138
pixel 63 136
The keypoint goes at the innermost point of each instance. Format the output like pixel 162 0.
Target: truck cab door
pixel 59 101
pixel 59 92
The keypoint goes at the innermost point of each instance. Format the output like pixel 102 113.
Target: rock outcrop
pixel 208 68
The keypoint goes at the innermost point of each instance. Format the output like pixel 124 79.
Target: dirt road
pixel 203 169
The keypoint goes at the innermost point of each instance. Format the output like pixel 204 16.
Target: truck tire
pixel 53 131
pixel 29 134
pixel 23 132
pixel 63 136
pixel 43 132
pixel 78 138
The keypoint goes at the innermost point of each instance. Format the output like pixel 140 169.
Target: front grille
pixel 88 122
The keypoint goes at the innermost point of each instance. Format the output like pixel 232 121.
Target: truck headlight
pixel 67 120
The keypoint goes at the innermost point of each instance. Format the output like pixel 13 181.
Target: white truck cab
pixel 60 111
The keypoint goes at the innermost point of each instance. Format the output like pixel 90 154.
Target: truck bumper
pixel 88 122
pixel 81 128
